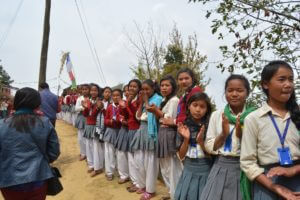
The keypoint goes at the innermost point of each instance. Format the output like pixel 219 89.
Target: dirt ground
pixel 78 185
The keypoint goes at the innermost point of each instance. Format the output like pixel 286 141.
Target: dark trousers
pixel 53 121
pixel 36 194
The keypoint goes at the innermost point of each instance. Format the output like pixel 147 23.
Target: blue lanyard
pixel 228 142
pixel 281 137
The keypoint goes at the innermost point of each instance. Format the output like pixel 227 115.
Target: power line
pixel 92 39
pixel 6 33
pixel 88 40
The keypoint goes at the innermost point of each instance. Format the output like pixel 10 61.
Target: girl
pixel 24 168
pixel 271 136
pixel 106 96
pixel 187 83
pixel 126 92
pixel 129 112
pixel 113 125
pixel 92 107
pixel 144 141
pixel 223 139
pixel 190 143
pixel 80 121
pixel 166 146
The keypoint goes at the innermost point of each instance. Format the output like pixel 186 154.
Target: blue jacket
pixel 49 104
pixel 20 159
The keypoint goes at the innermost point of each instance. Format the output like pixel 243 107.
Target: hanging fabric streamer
pixel 70 70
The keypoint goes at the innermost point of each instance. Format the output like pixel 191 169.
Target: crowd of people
pixel 237 152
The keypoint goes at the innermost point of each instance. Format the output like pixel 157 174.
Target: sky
pixel 107 21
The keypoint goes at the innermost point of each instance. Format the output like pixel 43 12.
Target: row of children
pixel 201 154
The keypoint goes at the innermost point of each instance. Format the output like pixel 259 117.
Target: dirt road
pixel 78 185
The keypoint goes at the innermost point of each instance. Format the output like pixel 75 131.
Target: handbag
pixel 54 185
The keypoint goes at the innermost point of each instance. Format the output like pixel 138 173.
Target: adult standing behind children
pixel 28 143
pixel 49 103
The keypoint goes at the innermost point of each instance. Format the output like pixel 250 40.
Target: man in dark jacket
pixel 49 104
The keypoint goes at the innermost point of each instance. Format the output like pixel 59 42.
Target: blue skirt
pixel 262 193
pixel 80 121
pixel 111 135
pixel 89 131
pixel 193 178
pixel 141 140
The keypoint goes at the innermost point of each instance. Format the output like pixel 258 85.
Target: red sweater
pixel 91 113
pixel 129 114
pixel 110 112
pixel 181 111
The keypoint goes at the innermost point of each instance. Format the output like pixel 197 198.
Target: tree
pixel 4 77
pixel 149 51
pixel 45 43
pixel 262 31
pixel 179 55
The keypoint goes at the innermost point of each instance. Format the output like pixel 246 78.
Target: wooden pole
pixel 45 43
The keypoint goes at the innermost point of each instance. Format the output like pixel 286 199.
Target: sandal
pixel 133 188
pixel 141 190
pixel 147 196
pixel 96 172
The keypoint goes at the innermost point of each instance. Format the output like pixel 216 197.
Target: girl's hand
pixel 167 121
pixel 145 98
pixel 200 136
pixel 122 104
pixel 140 97
pixel 184 131
pixel 151 108
pixel 130 98
pixel 281 171
pixel 284 192
pixel 225 126
pixel 238 127
pixel 85 103
pixel 99 104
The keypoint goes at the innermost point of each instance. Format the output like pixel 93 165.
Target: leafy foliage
pixel 4 77
pixel 263 30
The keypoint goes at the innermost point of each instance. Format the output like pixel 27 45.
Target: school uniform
pixel 181 111
pixel 68 116
pixel 170 165
pixel 196 166
pixel 129 113
pixel 110 137
pixel 73 111
pixel 224 179
pixel 260 145
pixel 80 124
pixel 144 146
pixel 90 114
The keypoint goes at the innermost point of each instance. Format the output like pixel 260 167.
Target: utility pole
pixel 45 43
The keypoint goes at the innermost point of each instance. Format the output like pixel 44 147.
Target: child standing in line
pixel 170 165
pixel 191 149
pixel 80 121
pixel 223 140
pixel 113 125
pixel 271 136
pixel 106 97
pixel 128 110
pixel 92 107
pixel 126 92
pixel 144 141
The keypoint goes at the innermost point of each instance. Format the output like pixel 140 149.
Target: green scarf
pixel 245 183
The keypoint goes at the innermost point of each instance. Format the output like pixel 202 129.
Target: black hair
pixel 268 72
pixel 25 98
pixel 85 85
pixel 137 81
pixel 173 92
pixel 196 97
pixel 44 85
pixel 238 77
pixel 118 90
pixel 105 88
pixel 153 85
pixel 192 75
pixel 124 88
pixel 98 88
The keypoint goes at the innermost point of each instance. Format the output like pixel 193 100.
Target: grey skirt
pixel 193 178
pixel 166 143
pixel 262 193
pixel 122 143
pixel 141 140
pixel 111 135
pixel 80 121
pixel 64 108
pixel 224 180
pixel 89 131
